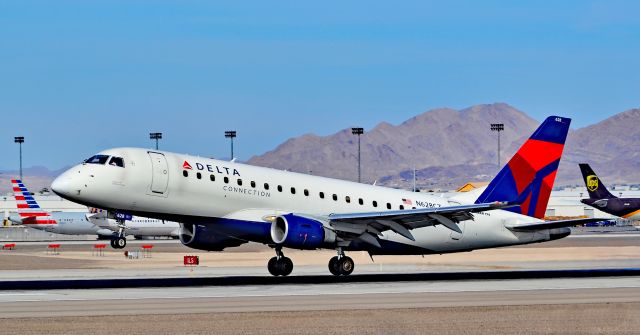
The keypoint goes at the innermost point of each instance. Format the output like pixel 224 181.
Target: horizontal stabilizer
pixel 552 224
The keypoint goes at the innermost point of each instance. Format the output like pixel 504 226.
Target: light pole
pixel 155 136
pixel 498 127
pixel 230 134
pixel 358 131
pixel 19 140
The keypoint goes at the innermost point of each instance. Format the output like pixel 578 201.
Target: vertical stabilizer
pixel 528 177
pixel 596 189
pixel 28 209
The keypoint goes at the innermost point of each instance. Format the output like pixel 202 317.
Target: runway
pixel 296 297
pixel 579 285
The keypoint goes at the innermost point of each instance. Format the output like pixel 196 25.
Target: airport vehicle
pixel 31 215
pixel 602 199
pixel 223 204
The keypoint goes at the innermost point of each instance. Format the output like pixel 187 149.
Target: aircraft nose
pixel 63 185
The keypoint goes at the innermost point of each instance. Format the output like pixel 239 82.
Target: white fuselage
pixel 140 226
pixel 238 199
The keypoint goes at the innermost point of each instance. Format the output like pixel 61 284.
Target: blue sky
pixel 80 76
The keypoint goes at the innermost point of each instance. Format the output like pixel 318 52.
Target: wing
pixel 552 224
pixel 365 226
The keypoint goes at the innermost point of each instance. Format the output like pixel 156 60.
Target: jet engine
pixel 202 237
pixel 298 232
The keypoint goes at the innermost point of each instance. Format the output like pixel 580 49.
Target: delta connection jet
pixel 602 199
pixel 224 204
pixel 95 222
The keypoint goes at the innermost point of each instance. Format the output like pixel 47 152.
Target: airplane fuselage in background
pixel 628 208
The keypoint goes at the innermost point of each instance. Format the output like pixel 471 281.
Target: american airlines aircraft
pixel 79 223
pixel 224 204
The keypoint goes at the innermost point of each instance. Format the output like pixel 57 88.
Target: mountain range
pixel 446 147
pixel 450 147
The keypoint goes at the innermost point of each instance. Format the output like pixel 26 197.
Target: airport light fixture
pixel 155 136
pixel 498 127
pixel 230 134
pixel 358 131
pixel 19 140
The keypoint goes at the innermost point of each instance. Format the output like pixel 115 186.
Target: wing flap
pixel 551 224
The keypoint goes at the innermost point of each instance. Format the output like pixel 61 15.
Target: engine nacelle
pixel 202 237
pixel 297 232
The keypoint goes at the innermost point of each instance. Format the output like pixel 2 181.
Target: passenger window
pixel 375 203
pixel 360 201
pixel 321 195
pixel 388 205
pixel 266 186
pixel 117 161
pixel 253 184
pixel 226 180
pixel 401 206
pixel 335 197
pixel 293 190
pixel 239 182
pixel 185 173
pixel 347 199
pixel 306 192
pixel 279 188
pixel 198 175
pixel 212 177
pixel 97 159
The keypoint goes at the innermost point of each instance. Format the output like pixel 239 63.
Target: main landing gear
pixel 341 265
pixel 280 265
pixel 119 241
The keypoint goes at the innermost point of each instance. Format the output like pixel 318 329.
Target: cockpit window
pixel 97 159
pixel 117 161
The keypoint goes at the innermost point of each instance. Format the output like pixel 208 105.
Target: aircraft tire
pixel 121 242
pixel 274 270
pixel 333 266
pixel 113 244
pixel 346 265
pixel 285 266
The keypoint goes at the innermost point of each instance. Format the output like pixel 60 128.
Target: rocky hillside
pixel 437 138
pixel 449 147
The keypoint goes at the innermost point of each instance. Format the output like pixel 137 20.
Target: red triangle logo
pixel 186 165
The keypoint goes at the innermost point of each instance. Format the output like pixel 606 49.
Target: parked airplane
pixel 31 215
pixel 602 199
pixel 224 204
pixel 136 225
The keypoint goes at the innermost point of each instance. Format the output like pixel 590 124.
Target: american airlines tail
pixel 596 189
pixel 528 177
pixel 29 211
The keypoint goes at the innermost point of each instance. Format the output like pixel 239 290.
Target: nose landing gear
pixel 119 241
pixel 341 265
pixel 280 265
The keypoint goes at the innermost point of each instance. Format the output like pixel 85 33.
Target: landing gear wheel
pixel 346 265
pixel 333 266
pixel 285 265
pixel 272 266
pixel 280 266
pixel 113 244
pixel 121 242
